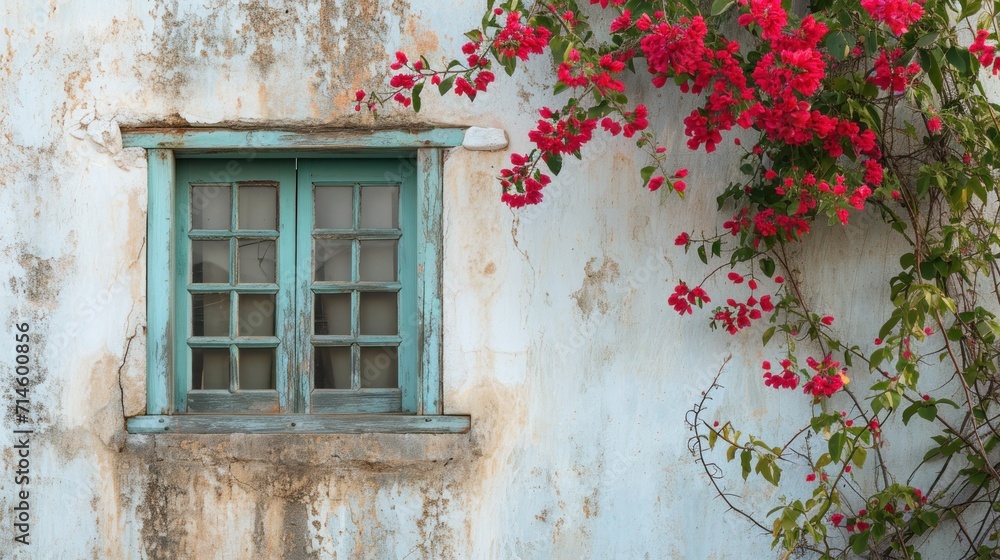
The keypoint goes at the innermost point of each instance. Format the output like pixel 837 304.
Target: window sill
pixel 298 424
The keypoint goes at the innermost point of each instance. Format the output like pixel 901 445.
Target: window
pixel 294 291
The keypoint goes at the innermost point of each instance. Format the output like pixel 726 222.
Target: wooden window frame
pixel 164 146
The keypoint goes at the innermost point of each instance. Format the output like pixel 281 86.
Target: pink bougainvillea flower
pixel 898 15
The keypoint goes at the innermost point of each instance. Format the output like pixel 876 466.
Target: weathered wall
pixel 558 338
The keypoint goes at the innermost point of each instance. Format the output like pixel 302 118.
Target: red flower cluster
pixel 562 135
pixel 519 40
pixel 873 173
pixel 985 53
pixel 622 22
pixel 767 224
pixel 889 76
pixel 829 377
pixel 899 15
pixel 739 223
pixel 793 71
pixel 785 379
pixel 604 3
pixel 738 315
pixel 768 14
pixel 682 298
pixel 522 184
pixel 858 525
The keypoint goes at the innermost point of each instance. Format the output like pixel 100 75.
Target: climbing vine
pixel 838 107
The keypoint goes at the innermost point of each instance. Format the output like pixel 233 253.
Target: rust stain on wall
pixel 593 293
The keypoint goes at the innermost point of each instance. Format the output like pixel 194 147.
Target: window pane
pixel 379 207
pixel 210 207
pixel 210 262
pixel 378 313
pixel 256 315
pixel 256 261
pixel 333 314
pixel 258 207
pixel 210 368
pixel 333 260
pixel 334 208
pixel 378 261
pixel 256 368
pixel 210 314
pixel 332 367
pixel 379 367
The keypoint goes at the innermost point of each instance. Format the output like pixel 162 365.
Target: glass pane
pixel 379 207
pixel 333 314
pixel 256 261
pixel 210 368
pixel 378 261
pixel 379 367
pixel 256 368
pixel 210 315
pixel 334 208
pixel 332 367
pixel 210 262
pixel 210 207
pixel 256 315
pixel 258 207
pixel 378 313
pixel 333 260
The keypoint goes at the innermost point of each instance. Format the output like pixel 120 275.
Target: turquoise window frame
pixel 422 406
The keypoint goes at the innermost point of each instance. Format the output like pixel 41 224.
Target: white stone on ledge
pixel 484 139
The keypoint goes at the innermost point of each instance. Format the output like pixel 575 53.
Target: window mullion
pixel 302 271
pixel 289 371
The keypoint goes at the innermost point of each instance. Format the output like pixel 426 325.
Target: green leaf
pixel 647 172
pixel 928 412
pixel 878 356
pixel 702 255
pixel 837 445
pixel 745 458
pixel 445 85
pixel 767 336
pixel 859 543
pixel 554 163
pixel 860 454
pixel 910 411
pixel 769 470
pixel 509 64
pixel 839 45
pixel 930 62
pixel 971 9
pixel 927 40
pixel 720 6
pixel 960 59
pixel 416 96
pixel 888 326
pixel 767 267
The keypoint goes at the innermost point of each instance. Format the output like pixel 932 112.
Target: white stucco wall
pixel 558 338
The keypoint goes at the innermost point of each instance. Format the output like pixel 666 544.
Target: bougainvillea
pixel 852 106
